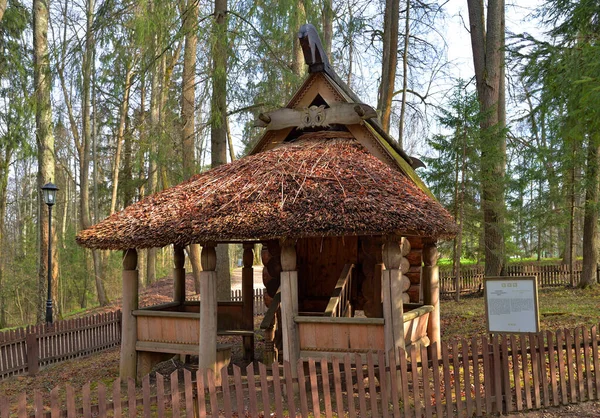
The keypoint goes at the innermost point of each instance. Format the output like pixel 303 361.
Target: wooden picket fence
pixel 479 376
pixel 471 278
pixel 259 301
pixel 24 350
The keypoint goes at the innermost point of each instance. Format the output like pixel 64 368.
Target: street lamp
pixel 49 190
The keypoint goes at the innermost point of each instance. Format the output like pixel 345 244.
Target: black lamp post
pixel 49 190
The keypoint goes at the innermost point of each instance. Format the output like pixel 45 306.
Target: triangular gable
pixel 321 84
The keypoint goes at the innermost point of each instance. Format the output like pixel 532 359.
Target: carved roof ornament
pixel 314 53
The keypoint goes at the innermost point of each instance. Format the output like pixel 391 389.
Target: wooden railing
pixel 339 304
pixel 24 350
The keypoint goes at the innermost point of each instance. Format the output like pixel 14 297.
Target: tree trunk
pixel 590 217
pixel 327 20
pixel 44 140
pixel 120 136
pixel 2 8
pixel 188 100
pixel 4 171
pixel 404 75
pixel 297 55
pixel 389 61
pixel 218 133
pixel 488 60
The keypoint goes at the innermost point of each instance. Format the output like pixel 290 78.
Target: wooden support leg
pixel 208 310
pixel 178 274
pixel 248 299
pixel 289 304
pixel 128 360
pixel 431 292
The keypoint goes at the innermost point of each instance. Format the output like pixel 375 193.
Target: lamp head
pixel 49 190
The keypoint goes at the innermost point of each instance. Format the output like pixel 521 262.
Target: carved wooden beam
pixel 316 116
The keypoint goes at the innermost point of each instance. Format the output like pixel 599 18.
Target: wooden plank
pixel 4 407
pixel 393 379
pixel 131 397
pixel 326 388
pixel 467 377
pixel 372 389
pixel 264 389
pixel 239 389
pixel 289 387
pixel 516 373
pixel 276 389
pixel 71 410
pixel 578 364
pixel 543 369
pixel 86 401
pixel 314 387
pixel 506 387
pixel 212 391
pixel 38 401
pixel 337 384
pixel 437 385
pixel 588 364
pixel 457 380
pixel 526 375
pixel 570 366
pixel 562 371
pixel 488 379
pixel 404 374
pixel 226 393
pixel 160 395
pixel 383 384
pixel 595 353
pixel 362 400
pixel 146 404
pixel 189 397
pixel 497 366
pixel 412 352
pixel 447 383
pixel 302 389
pixel 116 395
pixel 200 390
pixel 55 403
pixel 426 383
pixel 22 405
pixel 552 366
pixel 349 387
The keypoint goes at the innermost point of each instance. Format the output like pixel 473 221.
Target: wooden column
pixel 289 303
pixel 208 309
pixel 128 362
pixel 178 274
pixel 248 298
pixel 431 291
pixel 392 288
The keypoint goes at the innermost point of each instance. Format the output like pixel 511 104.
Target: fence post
pixel 33 353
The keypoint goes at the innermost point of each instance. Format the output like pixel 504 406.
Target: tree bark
pixel 120 136
pixel 297 55
pixel 218 133
pixel 188 99
pixel 590 217
pixel 44 141
pixel 488 60
pixel 404 75
pixel 327 19
pixel 2 8
pixel 389 61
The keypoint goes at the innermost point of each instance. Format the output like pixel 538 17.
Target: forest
pixel 114 100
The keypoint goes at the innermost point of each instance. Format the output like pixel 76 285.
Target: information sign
pixel 511 304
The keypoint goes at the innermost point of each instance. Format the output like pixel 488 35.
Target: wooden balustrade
pixel 339 304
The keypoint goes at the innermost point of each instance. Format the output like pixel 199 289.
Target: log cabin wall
pixel 320 262
pixel 415 258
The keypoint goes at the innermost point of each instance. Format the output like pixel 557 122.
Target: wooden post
pixel 128 363
pixel 248 298
pixel 393 305
pixel 289 304
pixel 431 291
pixel 33 353
pixel 208 309
pixel 178 274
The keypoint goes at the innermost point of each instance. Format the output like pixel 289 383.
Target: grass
pixel 558 308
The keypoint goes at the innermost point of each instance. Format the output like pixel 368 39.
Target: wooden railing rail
pixel 339 304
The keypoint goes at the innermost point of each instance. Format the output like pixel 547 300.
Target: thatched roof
pixel 323 184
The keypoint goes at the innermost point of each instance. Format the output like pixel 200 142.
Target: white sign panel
pixel 511 304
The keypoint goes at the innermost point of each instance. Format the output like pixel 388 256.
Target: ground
pixel 559 308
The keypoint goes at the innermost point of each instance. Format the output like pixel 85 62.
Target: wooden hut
pixel 346 223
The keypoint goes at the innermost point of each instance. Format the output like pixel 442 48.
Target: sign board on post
pixel 511 304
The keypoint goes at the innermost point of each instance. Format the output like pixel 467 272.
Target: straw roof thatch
pixel 323 184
